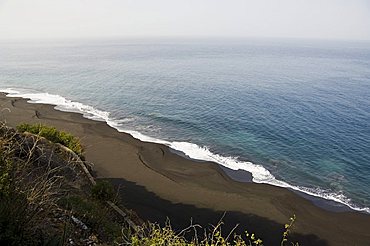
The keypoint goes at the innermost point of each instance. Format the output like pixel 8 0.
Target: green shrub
pixel 94 214
pixel 103 190
pixel 53 135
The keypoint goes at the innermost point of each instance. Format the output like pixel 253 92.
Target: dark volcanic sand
pixel 157 183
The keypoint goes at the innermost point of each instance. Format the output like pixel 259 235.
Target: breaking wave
pixel 193 151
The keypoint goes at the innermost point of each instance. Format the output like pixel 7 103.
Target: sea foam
pixel 193 151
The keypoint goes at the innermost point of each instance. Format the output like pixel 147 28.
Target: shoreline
pixel 199 189
pixel 241 171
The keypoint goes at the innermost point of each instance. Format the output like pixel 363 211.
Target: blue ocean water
pixel 295 113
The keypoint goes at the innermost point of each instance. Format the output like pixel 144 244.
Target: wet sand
pixel 157 183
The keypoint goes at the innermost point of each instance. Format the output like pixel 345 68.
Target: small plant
pixel 103 190
pixel 154 234
pixel 157 235
pixel 53 135
pixel 288 228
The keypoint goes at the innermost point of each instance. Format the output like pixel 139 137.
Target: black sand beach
pixel 157 183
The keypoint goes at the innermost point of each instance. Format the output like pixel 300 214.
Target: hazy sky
pixel 325 19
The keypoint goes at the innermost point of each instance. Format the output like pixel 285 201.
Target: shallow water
pixel 295 113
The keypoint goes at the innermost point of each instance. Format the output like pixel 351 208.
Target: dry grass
pixel 154 234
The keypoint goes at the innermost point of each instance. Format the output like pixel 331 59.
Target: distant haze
pixel 324 19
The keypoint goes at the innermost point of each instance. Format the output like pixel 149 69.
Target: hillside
pixel 49 197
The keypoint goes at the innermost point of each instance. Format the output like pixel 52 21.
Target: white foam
pixel 259 173
pixel 61 103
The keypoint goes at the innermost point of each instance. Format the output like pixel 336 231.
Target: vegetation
pixel 103 190
pixel 288 229
pixel 53 135
pixel 27 190
pixel 46 199
pixel 157 235
pixel 95 215
pixel 154 234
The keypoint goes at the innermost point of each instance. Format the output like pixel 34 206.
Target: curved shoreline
pixel 170 185
pixel 324 199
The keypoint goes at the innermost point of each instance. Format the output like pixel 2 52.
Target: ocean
pixel 294 113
